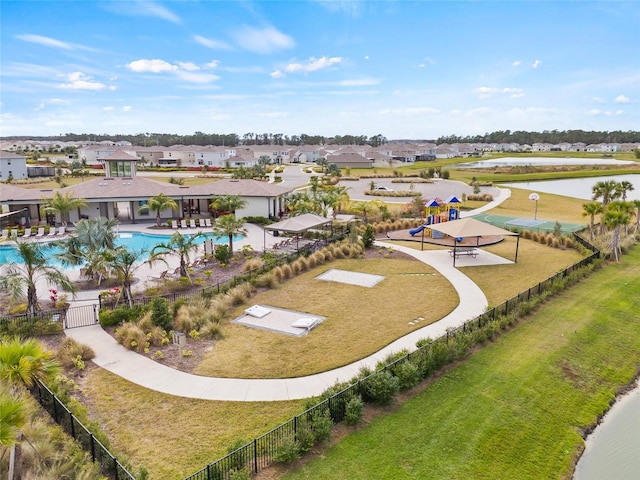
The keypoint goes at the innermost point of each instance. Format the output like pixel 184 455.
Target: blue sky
pixel 397 68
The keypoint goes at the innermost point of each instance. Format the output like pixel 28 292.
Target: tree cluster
pixel 547 136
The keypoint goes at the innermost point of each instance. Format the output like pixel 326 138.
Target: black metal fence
pixel 48 322
pixel 111 303
pixel 109 464
pixel 264 450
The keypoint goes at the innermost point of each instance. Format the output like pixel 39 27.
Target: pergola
pixel 469 227
pixel 296 225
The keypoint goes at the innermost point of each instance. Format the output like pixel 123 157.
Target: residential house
pixel 12 166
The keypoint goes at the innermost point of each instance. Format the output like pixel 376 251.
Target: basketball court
pixel 535 225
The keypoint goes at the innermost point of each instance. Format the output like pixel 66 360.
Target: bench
pixel 472 252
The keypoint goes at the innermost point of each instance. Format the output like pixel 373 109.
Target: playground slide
pixel 415 231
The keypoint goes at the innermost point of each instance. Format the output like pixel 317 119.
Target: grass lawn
pixel 360 320
pixel 173 436
pixel 515 408
pixel 550 207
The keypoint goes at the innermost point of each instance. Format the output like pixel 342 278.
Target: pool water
pixel 132 240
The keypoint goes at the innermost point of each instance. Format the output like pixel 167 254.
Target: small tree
pixel 228 226
pixel 158 203
pixel 63 204
pixel 368 236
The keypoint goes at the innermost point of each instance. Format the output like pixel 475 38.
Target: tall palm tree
pixel 227 203
pixel 63 204
pixel 180 246
pixel 158 203
pixel 229 225
pixel 618 214
pixel 636 206
pixel 300 202
pixel 31 266
pixel 591 209
pixel 625 187
pixel 366 207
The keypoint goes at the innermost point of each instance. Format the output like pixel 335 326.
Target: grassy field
pixel 514 409
pixel 173 436
pixel 359 320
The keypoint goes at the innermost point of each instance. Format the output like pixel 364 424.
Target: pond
pixel 541 162
pixel 611 451
pixel 132 240
pixel 578 187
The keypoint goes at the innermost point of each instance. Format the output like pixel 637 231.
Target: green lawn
pixel 514 409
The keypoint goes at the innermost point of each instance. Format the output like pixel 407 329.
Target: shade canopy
pixel 299 224
pixel 469 227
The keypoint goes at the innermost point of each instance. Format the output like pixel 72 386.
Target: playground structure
pixel 438 211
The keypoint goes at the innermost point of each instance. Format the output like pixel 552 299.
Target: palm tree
pixel 32 265
pixel 21 362
pixel 63 204
pixel 636 206
pixel 365 207
pixel 591 209
pixel 227 203
pixel 124 263
pixel 300 202
pixel 618 214
pixel 158 203
pixel 228 226
pixel 625 187
pixel 180 246
pixel 607 190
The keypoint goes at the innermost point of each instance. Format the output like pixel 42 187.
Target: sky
pixel 400 69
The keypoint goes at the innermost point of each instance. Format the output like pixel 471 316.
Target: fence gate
pixel 81 316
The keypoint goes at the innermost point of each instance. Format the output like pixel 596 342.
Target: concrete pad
pixel 280 320
pixel 351 278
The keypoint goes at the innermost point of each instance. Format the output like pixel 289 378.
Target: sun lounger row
pixel 191 223
pixel 53 232
pixel 284 243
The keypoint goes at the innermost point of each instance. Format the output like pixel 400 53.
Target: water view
pixel 541 162
pixel 611 451
pixel 578 187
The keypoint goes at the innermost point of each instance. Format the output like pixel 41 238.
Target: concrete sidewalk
pixel 149 374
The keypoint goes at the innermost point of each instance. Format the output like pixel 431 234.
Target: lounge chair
pixel 183 224
pixel 27 232
pixel 192 223
pixel 40 232
pixel 174 224
pixel 62 230
pixel 5 234
pixel 53 231
pixel 162 276
pixel 207 222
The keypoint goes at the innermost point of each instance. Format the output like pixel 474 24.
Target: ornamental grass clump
pixel 267 280
pixel 240 294
pixel 70 350
pixel 287 272
pixel 252 264
pixel 278 274
pixel 212 330
pixel 131 336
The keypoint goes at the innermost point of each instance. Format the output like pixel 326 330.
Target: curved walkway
pixel 147 373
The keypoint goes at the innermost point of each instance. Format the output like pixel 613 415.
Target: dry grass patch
pixel 550 207
pixel 359 320
pixel 174 436
pixel 536 262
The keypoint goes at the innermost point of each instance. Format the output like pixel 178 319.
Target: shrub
pixel 222 254
pixel 131 336
pixel 110 318
pixel 70 350
pixel 212 330
pixel 252 264
pixel 407 373
pixel 296 268
pixel 288 451
pixel 305 439
pixel 267 280
pixel 160 314
pixel 183 321
pixel 368 236
pixel 321 424
pixel 287 272
pixel 278 273
pixel 240 294
pixel 379 388
pixel 353 411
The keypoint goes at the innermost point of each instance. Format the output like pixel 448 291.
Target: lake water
pixel 578 187
pixel 612 451
pixel 541 162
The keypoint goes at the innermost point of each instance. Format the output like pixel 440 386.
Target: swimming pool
pixel 131 240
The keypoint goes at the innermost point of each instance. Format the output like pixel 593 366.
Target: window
pixel 120 169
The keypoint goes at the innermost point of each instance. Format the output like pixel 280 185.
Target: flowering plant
pixel 53 296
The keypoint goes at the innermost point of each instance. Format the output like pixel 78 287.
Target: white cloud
pixel 366 57
pixel 142 8
pixel 622 99
pixel 80 81
pixel 360 82
pixel 193 77
pixel 127 108
pixel 517 63
pixel 485 92
pixel 277 74
pixel 598 100
pixel 153 65
pixel 46 41
pixel 108 109
pixel 536 64
pixel 211 43
pixel 313 64
pixel 619 113
pixel 263 40
pixel 599 113
pixel 188 66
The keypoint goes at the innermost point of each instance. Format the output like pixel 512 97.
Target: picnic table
pixel 460 251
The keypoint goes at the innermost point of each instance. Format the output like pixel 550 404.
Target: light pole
pixel 535 197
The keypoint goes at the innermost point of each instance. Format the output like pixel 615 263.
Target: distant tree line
pixel 232 139
pixel 547 136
